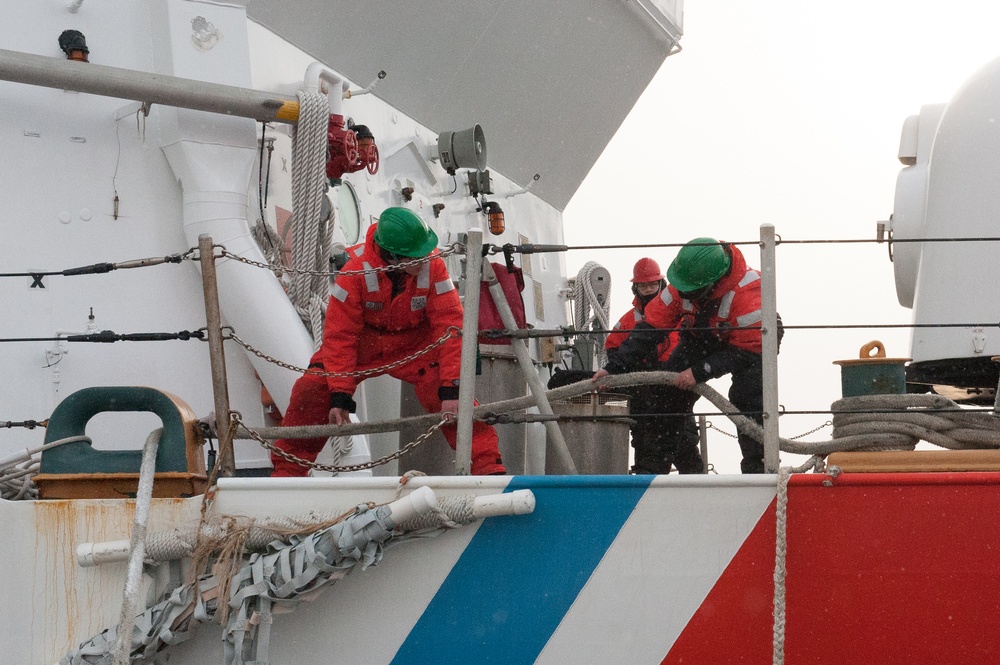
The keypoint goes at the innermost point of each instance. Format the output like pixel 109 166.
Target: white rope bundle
pixel 17 483
pixel 313 235
pixel 586 299
pixel 311 242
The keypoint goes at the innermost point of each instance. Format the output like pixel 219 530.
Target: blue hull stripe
pixel 517 578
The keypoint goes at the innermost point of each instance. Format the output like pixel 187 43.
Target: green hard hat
pixel 701 262
pixel 401 231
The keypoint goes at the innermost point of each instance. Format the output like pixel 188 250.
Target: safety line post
pixel 555 437
pixel 217 355
pixel 769 340
pixel 703 442
pixel 470 344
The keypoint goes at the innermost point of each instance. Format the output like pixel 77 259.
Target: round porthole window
pixel 348 212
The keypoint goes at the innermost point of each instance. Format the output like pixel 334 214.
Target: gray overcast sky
pixel 786 112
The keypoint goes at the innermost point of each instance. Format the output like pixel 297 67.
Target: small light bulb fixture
pixel 495 216
pixel 74 45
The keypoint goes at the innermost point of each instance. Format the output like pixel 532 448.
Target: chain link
pixel 812 431
pixel 709 425
pixel 450 332
pixel 236 420
pixel 445 251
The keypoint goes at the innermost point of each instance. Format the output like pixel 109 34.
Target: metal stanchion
pixel 470 343
pixel 703 442
pixel 217 354
pixel 769 341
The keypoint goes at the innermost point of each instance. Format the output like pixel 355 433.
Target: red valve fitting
pixel 350 148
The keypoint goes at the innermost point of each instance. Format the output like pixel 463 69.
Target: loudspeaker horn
pixel 465 149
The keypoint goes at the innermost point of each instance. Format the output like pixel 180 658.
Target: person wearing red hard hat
pixel 714 299
pixel 376 319
pixel 654 452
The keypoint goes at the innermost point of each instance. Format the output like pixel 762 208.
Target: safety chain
pixel 812 431
pixel 709 425
pixel 235 418
pixel 445 251
pixel 450 332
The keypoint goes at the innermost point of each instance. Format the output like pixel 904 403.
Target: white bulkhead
pixel 948 189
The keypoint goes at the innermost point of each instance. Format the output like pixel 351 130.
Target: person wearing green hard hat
pixel 714 299
pixel 655 452
pixel 389 308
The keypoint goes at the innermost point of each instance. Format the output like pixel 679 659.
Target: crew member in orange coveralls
pixel 378 318
pixel 655 451
pixel 714 297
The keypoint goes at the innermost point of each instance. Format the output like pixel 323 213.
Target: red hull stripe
pixel 882 568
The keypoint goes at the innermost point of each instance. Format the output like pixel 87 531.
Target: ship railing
pixel 493 413
pixel 982 429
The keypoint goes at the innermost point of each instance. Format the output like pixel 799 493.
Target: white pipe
pixel 518 502
pixel 89 555
pixel 214 178
pixel 418 502
pixel 366 90
pixel 320 78
pixel 525 189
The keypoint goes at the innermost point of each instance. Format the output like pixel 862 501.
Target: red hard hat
pixel 646 270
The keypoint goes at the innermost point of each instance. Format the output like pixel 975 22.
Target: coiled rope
pixel 311 242
pixel 586 299
pixel 312 233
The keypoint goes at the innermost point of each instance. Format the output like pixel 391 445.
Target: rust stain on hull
pixel 71 604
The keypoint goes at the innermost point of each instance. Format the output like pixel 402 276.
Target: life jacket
pixel 731 310
pixel 363 311
pixel 627 323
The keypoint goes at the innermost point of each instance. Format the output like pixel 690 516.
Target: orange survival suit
pixel 374 320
